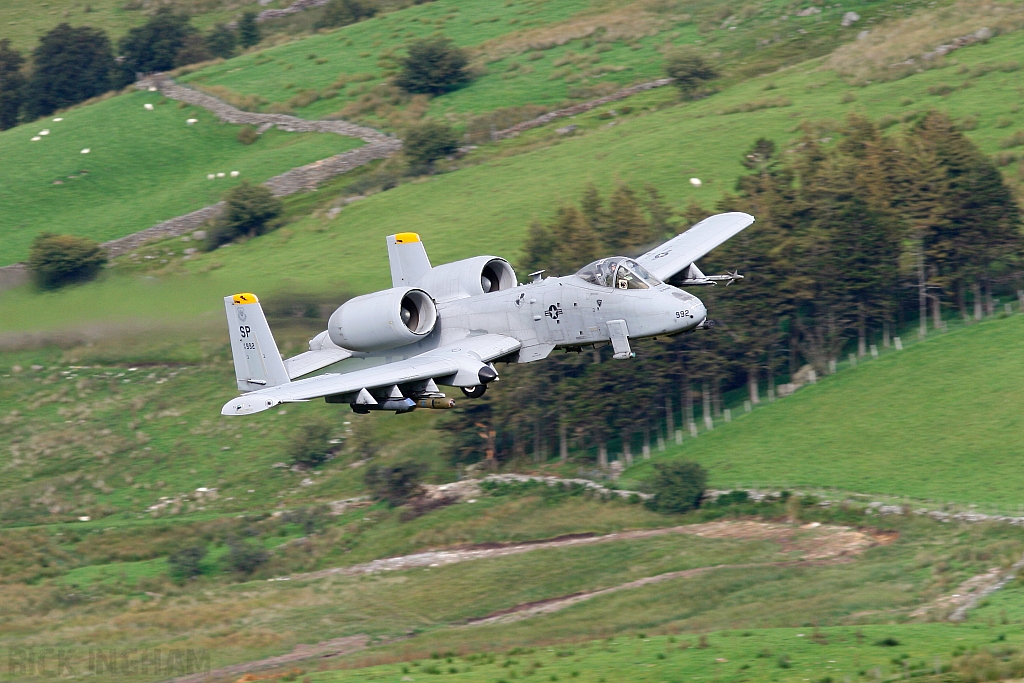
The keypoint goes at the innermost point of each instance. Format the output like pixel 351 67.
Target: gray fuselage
pixel 557 312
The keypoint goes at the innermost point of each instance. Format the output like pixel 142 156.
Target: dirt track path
pixel 533 609
pixel 822 542
pixel 819 545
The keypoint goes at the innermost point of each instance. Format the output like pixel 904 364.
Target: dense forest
pixel 858 234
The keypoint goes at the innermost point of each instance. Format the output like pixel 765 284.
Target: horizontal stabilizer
pixel 322 352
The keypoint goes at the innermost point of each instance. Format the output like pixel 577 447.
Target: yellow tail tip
pixel 245 298
pixel 406 237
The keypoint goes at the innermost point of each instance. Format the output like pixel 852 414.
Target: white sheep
pixel 210 176
pixel 59 118
pixel 36 138
pixel 220 175
pixel 696 182
pixel 234 174
pixel 189 122
pixel 148 106
pixel 152 88
pixel 86 150
pixel 45 131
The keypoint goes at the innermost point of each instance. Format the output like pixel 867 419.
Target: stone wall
pixel 578 108
pixel 294 8
pixel 229 114
pixel 13 276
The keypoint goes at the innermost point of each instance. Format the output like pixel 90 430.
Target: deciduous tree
pixel 69 65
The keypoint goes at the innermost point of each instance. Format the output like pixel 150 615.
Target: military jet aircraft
pixel 449 324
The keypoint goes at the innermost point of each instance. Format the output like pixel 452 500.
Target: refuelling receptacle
pixel 436 403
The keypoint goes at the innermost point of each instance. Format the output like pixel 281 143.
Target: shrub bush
pixel 244 557
pixel 433 66
pixel 57 260
pixel 344 12
pixel 429 141
pixel 310 445
pixel 678 486
pixel 689 69
pixel 185 563
pixel 249 211
pixel 247 135
pixel 395 483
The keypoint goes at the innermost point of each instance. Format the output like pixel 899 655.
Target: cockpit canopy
pixel 618 272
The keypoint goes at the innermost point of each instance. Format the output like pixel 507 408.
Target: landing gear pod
pixel 474 392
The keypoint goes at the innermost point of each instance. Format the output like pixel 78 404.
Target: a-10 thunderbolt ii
pixel 448 325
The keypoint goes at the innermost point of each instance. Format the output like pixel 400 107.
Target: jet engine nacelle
pixel 383 320
pixel 469 277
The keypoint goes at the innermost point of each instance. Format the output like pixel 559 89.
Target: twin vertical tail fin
pixel 409 262
pixel 258 363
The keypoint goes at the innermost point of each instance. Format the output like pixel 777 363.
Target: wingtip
pixel 247 405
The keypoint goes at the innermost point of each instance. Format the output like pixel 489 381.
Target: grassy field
pixel 107 435
pixel 23 21
pixel 911 423
pixel 142 167
pixel 475 209
pixel 798 654
pixel 136 605
pixel 535 53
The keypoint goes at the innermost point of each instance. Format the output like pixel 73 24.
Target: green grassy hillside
pixel 487 203
pixel 537 53
pixel 941 420
pixel 142 167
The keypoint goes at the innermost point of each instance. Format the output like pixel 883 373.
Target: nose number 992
pixel 682 314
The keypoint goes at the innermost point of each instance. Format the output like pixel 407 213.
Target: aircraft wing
pixel 679 252
pixel 322 352
pixel 456 364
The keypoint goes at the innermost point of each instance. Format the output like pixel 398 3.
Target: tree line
pixel 72 64
pixel 858 234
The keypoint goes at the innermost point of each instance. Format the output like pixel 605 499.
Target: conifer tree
pixel 978 226
pixel 12 85
pixel 540 243
pixel 627 228
pixel 248 30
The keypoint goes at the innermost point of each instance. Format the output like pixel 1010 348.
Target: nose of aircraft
pixel 699 311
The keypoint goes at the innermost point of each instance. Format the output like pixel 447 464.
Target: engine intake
pixel 469 277
pixel 383 320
